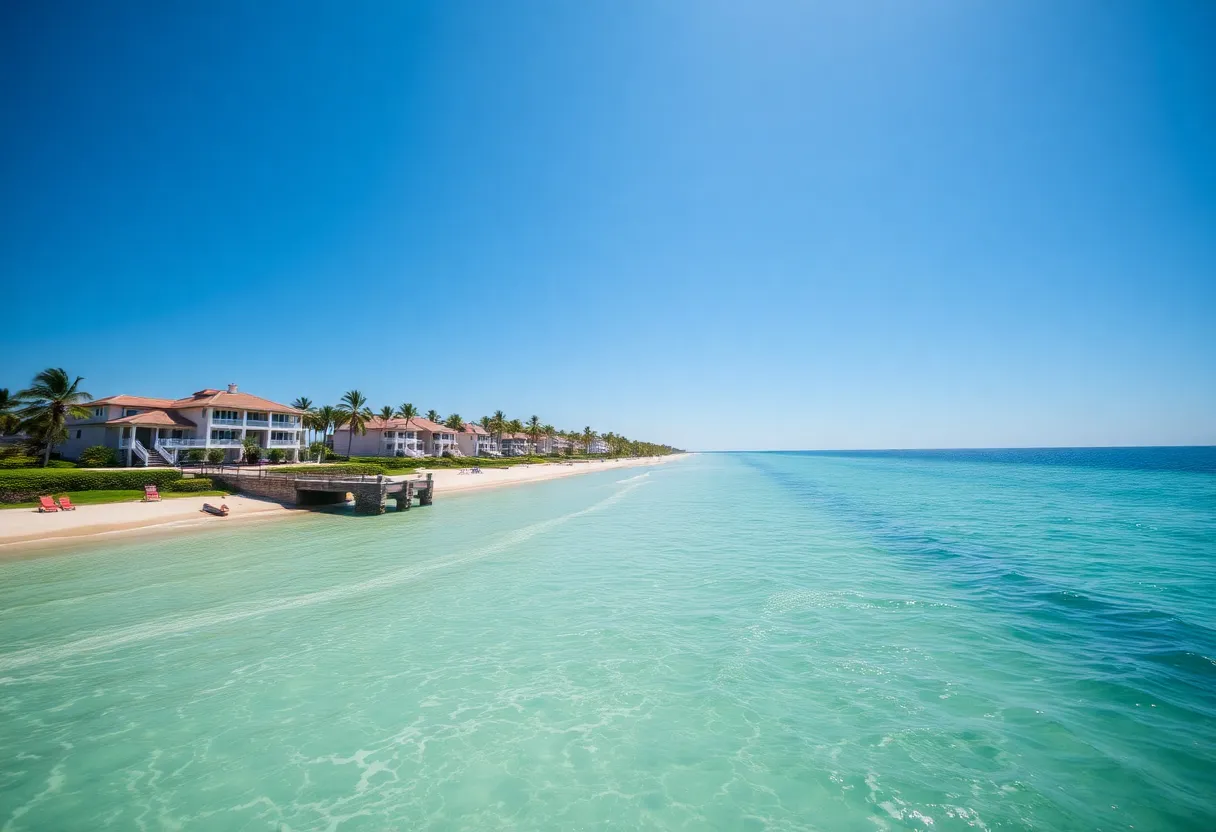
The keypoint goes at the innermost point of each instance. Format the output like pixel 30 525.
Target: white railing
pixel 177 442
pixel 257 423
pixel 283 443
pixel 140 451
pixel 233 422
pixel 165 453
pixel 278 424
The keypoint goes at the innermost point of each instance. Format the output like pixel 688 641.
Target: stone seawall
pixel 280 490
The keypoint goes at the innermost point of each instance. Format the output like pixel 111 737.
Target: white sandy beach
pixel 25 528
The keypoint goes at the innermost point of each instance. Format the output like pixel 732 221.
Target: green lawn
pixel 90 498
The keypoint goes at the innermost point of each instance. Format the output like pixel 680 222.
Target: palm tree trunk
pixel 349 440
pixel 46 454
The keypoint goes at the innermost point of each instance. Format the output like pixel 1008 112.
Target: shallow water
pixel 782 641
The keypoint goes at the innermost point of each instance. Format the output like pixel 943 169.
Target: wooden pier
pixel 320 489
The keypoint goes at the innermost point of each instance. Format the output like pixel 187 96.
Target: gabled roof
pixel 471 427
pixel 155 418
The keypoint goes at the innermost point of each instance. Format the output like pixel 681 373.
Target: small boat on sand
pixel 221 511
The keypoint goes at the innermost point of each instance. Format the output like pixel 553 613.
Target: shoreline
pixel 26 531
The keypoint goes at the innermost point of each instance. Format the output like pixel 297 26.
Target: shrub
pixel 196 484
pixel 98 456
pixel 195 456
pixel 28 484
pixel 21 461
pixel 253 451
pixel 276 455
pixel 317 450
pixel 215 456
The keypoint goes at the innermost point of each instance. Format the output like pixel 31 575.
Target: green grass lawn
pixel 92 498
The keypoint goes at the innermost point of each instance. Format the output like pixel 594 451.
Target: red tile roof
pixel 203 398
pixel 415 424
pixel 132 401
pixel 233 401
pixel 155 418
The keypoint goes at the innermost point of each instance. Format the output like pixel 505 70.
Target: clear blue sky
pixel 722 225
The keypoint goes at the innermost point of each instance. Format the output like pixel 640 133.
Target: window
pixel 280 436
pixel 130 411
pixel 78 434
pixel 224 435
pixel 99 411
pixel 231 415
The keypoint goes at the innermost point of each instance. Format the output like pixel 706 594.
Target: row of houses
pixel 149 431
pixel 422 437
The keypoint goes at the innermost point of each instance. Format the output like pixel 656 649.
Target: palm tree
pixel 454 422
pixel 304 403
pixel 407 411
pixel 46 405
pixel 356 415
pixel 549 431
pixel 498 423
pixel 8 419
pixel 324 418
pixel 384 415
pixel 588 436
pixel 432 415
pixel 534 430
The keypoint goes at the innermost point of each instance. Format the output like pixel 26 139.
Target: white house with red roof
pixel 150 431
pixel 474 440
pixel 397 437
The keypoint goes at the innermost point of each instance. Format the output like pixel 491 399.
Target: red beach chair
pixel 151 495
pixel 65 503
pixel 47 504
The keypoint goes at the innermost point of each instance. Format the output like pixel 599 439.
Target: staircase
pixel 150 459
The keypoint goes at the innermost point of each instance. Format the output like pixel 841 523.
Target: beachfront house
pixel 474 440
pixel 443 441
pixel 398 437
pixel 516 444
pixel 554 444
pixel 598 446
pixel 395 437
pixel 149 431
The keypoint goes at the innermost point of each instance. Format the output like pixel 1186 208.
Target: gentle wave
pixel 159 629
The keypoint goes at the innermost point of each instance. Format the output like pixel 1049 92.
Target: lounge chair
pixel 47 504
pixel 65 503
pixel 151 495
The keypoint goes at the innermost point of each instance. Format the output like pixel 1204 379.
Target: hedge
pixel 30 483
pixel 335 468
pixel 196 484
pixel 11 463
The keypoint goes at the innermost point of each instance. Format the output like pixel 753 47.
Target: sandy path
pixel 24 528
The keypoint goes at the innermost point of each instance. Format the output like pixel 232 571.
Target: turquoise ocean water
pixel 744 641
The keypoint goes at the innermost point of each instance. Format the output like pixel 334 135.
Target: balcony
pixel 283 425
pixel 234 422
pixel 282 443
pixel 256 423
pixel 185 443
